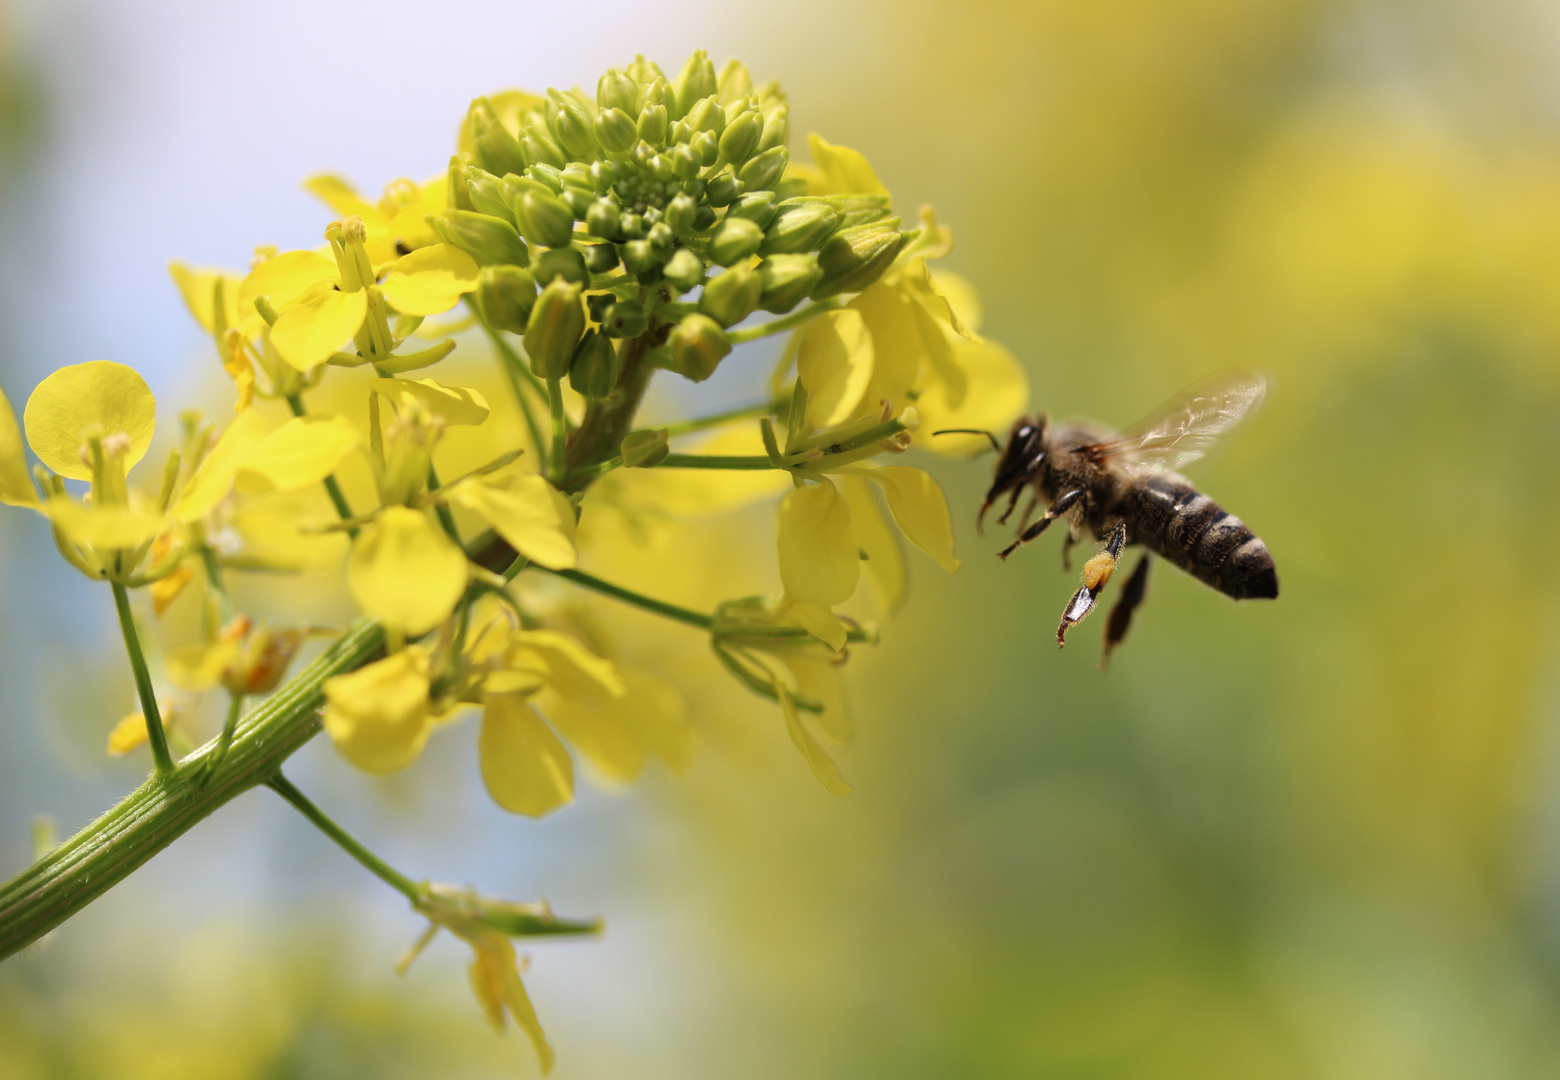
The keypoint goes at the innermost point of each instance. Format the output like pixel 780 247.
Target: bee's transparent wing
pixel 1185 428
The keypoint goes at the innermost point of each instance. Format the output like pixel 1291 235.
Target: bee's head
pixel 1021 456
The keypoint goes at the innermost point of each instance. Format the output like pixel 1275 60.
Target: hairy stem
pixel 163 808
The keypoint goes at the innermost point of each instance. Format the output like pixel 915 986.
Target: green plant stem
pixel 380 869
pixel 332 488
pixel 628 596
pixel 440 509
pixel 739 462
pixel 516 371
pixel 225 740
pixel 776 326
pixel 163 808
pixel 143 682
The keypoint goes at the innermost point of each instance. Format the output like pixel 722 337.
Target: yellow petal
pixel 16 487
pixel 199 667
pixel 198 287
pixel 406 571
pixel 818 759
pixel 885 562
pixel 320 323
pixel 430 280
pixel 99 397
pixel 535 517
pixel 510 105
pixel 458 405
pixel 816 619
pixel 128 734
pixel 572 669
pixel 897 347
pixel 103 527
pixel 410 226
pixel 819 559
pixel 845 171
pixel 817 676
pixel 519 1003
pixel 270 528
pixel 342 197
pixel 920 509
pixel 300 453
pixel 487 983
pixel 834 360
pixel 211 482
pixel 618 734
pixel 998 393
pixel 526 768
pixel 285 279
pixel 963 300
pixel 378 715
pixel 165 590
pixel 938 329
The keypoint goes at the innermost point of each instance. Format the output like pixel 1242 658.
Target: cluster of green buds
pixel 631 200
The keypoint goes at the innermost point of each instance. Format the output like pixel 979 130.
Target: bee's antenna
pixel 972 431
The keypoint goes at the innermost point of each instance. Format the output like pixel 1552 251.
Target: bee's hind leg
pixel 1056 510
pixel 1121 615
pixel 1096 573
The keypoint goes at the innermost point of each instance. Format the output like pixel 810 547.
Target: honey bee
pixel 1123 489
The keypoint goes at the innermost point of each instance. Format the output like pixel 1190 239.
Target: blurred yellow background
pixel 1317 838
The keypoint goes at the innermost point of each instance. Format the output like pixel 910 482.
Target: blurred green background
pixel 1316 838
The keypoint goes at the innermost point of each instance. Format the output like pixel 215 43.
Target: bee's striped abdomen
pixel 1179 523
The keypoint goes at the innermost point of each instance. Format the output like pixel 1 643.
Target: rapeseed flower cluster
pixel 594 240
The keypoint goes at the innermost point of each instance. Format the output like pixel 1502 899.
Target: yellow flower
pixel 406 571
pixel 379 716
pixel 397 223
pixel 837 170
pixel 322 301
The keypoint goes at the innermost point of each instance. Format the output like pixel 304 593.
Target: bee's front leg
pixel 1096 573
pixel 1056 510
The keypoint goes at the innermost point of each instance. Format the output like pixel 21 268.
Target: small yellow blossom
pixel 406 571
pixel 379 716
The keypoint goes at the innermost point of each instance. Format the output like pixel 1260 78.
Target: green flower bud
pixel 680 213
pixel 758 207
pixel 787 280
pixel 603 174
pixel 596 304
pixel 505 296
pixel 578 202
pixel 644 71
pixel 625 319
pixel 706 115
pixel 616 130
pixel 864 215
pixel 459 193
pixel 734 240
pixel 731 297
pixel 602 218
pixel 640 256
pixel 790 187
pixel 564 262
pixel 706 146
pixel 595 369
pixel 544 173
pixel 659 92
pixel 684 269
pixel 496 149
pixel 487 239
pixel 600 258
pixel 765 170
pixel 799 228
pixel 570 125
pixel 554 329
pixel 733 82
pixel 722 190
pixel 704 219
pixel 681 132
pixel 852 259
pixel 698 345
pixel 487 194
pixel 661 236
pixel 577 174
pixel 617 90
pixel 740 140
pixel 777 128
pixel 695 81
pixel 661 166
pixel 645 449
pixel 544 219
pixel 541 150
pixel 631 226
pixel 685 163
